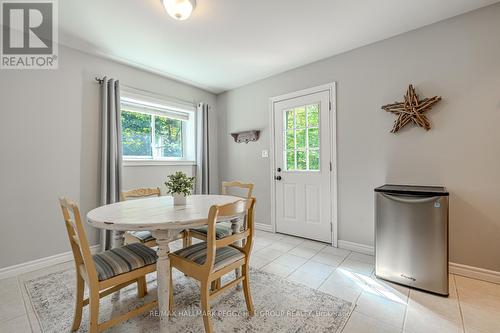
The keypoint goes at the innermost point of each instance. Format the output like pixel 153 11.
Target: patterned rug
pixel 280 306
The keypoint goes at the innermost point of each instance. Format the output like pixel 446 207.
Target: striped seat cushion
pixel 197 253
pixel 142 236
pixel 122 260
pixel 222 230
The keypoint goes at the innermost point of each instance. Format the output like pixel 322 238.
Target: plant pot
pixel 179 199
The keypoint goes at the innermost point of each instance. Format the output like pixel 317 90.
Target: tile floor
pixel 472 307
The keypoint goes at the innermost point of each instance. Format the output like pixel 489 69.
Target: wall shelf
pixel 246 136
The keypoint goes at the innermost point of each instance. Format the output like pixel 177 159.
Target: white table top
pixel 156 213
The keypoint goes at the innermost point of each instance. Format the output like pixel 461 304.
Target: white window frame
pixel 157 106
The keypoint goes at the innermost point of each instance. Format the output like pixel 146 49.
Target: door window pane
pixel 289 119
pixel 136 134
pixel 290 160
pixel 290 140
pixel 301 134
pixel 312 115
pixel 300 117
pixel 313 159
pixel 313 137
pixel 301 160
pixel 301 139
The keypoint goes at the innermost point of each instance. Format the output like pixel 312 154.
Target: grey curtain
pixel 111 154
pixel 202 152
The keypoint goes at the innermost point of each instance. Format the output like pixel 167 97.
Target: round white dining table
pixel 165 221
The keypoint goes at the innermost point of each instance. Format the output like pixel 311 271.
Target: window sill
pixel 132 163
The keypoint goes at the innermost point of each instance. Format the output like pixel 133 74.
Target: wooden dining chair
pixel 106 272
pixel 140 193
pixel 209 261
pixel 223 229
pixel 144 236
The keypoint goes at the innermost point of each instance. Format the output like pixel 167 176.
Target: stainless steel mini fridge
pixel 411 236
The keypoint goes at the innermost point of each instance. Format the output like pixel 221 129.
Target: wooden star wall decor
pixel 411 109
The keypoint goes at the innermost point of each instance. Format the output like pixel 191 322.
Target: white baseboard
pixel 37 264
pixel 264 227
pixel 475 272
pixel 356 247
pixel 457 269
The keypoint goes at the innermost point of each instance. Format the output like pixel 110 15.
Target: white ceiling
pixel 228 43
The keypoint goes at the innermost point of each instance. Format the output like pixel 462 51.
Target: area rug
pixel 280 306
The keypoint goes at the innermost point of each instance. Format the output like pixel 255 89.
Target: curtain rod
pixel 101 80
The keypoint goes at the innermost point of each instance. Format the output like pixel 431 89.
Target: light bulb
pixel 179 9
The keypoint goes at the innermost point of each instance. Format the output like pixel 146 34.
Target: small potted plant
pixel 180 186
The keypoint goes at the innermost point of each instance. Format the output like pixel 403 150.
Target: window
pixel 302 138
pixel 156 131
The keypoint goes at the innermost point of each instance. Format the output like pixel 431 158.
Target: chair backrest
pixel 227 212
pixel 78 238
pixel 140 193
pixel 239 185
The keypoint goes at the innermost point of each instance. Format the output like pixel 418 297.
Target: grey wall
pixel 458 59
pixel 49 147
pixel 152 175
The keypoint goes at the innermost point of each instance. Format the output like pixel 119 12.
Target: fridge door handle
pixel 410 199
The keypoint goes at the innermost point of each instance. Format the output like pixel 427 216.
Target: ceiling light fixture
pixel 179 9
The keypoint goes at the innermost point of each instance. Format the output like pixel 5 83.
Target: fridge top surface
pixel 413 190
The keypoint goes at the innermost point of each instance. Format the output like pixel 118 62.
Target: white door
pixel 302 166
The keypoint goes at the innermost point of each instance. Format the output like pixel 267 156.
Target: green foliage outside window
pixel 301 160
pixel 137 136
pixel 302 138
pixel 168 136
pixel 289 119
pixel 314 159
pixel 290 139
pixel 290 160
pixel 313 137
pixel 312 115
pixel 300 117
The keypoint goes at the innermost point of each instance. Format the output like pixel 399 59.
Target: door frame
pixel 331 88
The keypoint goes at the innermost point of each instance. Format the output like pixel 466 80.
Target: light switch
pixel 265 153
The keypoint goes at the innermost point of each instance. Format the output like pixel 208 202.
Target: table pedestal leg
pixel 235 227
pixel 163 238
pixel 117 238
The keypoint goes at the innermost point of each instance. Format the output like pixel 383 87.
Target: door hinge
pixel 331 168
pixel 330 103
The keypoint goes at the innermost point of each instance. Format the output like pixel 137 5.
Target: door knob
pixel 277 177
